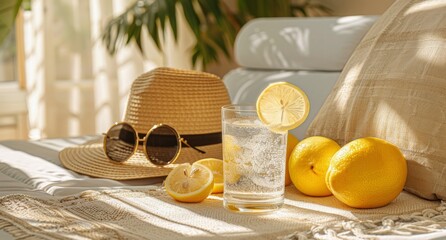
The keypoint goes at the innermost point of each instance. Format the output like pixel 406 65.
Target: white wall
pixel 74 86
pixel 357 7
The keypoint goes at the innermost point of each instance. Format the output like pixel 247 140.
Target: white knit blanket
pixel 151 214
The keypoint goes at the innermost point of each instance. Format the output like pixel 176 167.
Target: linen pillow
pixel 394 87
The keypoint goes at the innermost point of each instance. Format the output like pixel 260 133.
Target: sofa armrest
pixel 318 43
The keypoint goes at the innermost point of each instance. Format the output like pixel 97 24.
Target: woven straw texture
pixel 151 214
pixel 187 100
pixel 394 87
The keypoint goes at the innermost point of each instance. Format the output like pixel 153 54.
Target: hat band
pixel 203 139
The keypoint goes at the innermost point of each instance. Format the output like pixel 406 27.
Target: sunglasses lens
pixel 162 145
pixel 120 142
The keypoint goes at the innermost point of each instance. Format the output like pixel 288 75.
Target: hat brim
pixel 89 159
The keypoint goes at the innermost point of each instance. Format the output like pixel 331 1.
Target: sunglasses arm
pixel 187 144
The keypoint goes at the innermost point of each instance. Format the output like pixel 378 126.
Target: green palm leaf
pixel 8 12
pixel 213 25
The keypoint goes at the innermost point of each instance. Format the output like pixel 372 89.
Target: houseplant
pixel 213 23
pixel 8 12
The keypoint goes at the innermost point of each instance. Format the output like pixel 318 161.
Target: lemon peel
pixel 292 141
pixel 367 173
pixel 309 163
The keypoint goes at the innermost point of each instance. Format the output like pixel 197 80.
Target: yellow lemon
pixel 230 152
pixel 309 163
pixel 216 166
pixel 291 143
pixel 189 183
pixel 367 173
pixel 282 106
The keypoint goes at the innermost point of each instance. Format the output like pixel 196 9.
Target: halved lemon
pixel 282 106
pixel 189 183
pixel 216 166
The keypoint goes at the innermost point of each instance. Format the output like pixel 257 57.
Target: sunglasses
pixel 162 143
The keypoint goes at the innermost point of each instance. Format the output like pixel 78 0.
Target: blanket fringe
pixel 426 221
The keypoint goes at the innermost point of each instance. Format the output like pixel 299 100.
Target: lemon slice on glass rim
pixel 282 106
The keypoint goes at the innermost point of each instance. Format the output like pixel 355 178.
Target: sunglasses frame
pixel 144 141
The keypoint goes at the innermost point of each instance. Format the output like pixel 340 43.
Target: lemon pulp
pixel 282 106
pixel 189 183
pixel 216 166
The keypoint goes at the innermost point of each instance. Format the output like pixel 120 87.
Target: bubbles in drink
pixel 258 155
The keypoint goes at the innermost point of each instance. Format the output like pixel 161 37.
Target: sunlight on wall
pixel 73 121
pixel 74 86
pixel 35 68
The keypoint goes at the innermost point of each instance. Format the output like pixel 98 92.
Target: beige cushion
pixel 394 87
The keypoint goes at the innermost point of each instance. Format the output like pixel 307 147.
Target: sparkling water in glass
pixel 253 162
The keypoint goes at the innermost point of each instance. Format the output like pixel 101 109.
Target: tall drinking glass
pixel 253 162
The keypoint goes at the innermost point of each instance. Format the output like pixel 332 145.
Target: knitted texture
pixel 151 214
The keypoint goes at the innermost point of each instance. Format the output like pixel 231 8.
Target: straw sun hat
pixel 189 101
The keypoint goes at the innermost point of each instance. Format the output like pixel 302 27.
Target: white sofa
pixel 307 52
